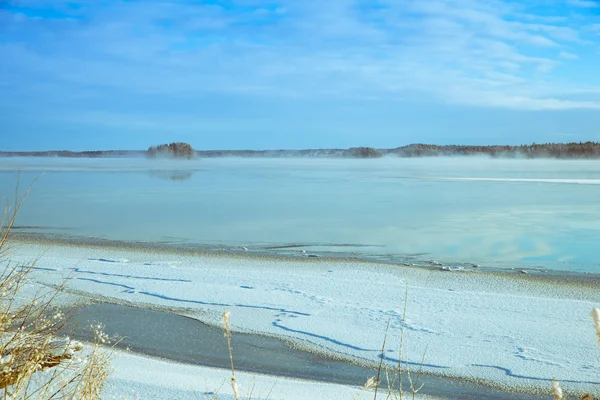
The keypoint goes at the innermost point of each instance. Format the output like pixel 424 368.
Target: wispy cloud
pixel 585 3
pixel 568 55
pixel 485 53
pixel 593 28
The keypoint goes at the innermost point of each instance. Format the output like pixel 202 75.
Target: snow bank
pixel 137 377
pixel 517 331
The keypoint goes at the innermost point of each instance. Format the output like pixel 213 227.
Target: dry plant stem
pixel 8 221
pixel 596 319
pixel 369 384
pixel 271 390
pixel 556 390
pixel 400 349
pixel 28 336
pixel 227 326
pixel 391 381
pixel 416 386
pixel 377 381
pixel 215 394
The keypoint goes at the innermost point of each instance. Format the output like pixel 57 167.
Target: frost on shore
pixel 513 331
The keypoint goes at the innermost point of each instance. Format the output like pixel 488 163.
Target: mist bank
pixel 573 150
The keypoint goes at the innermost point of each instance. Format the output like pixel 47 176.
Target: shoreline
pixel 268 300
pixel 554 150
pixel 252 353
pixel 542 275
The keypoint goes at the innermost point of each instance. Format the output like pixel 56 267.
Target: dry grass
pixel 227 326
pixel 35 362
pixel 556 389
pixel 596 319
pixel 234 385
pixel 394 376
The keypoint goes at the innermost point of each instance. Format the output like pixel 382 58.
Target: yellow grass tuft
pixel 35 362
pixel 556 390
pixel 369 384
pixel 596 318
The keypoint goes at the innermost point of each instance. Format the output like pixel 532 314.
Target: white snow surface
pixel 516 330
pixel 138 377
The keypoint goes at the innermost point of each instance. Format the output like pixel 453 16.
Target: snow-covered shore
pixel 137 377
pixel 513 331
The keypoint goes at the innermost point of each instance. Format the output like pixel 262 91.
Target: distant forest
pixel 175 150
pixel 589 150
pixel 546 150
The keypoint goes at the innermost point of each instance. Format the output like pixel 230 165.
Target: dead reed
pixel 394 376
pixel 35 361
pixel 556 389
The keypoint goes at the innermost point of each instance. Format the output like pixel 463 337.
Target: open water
pixel 499 213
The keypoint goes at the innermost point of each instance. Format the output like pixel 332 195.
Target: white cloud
pixel 584 3
pixel 477 52
pixel 594 28
pixel 568 56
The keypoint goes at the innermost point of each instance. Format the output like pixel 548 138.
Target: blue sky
pixel 297 73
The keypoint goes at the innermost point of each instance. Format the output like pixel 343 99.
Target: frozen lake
pixel 493 212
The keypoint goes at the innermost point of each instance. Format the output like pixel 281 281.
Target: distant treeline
pixel 546 150
pixel 76 154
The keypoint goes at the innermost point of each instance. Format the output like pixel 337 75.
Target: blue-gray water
pixel 500 213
